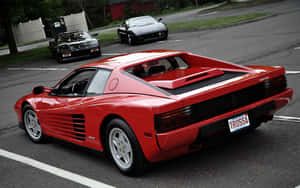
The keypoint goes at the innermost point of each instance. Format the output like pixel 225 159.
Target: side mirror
pixel 159 19
pixel 38 90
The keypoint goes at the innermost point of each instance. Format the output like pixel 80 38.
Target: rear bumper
pixel 180 140
pixel 81 54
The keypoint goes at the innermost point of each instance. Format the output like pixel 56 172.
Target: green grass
pixel 114 23
pixel 22 44
pixel 4 47
pixel 109 37
pixel 214 22
pixel 29 55
pixel 234 5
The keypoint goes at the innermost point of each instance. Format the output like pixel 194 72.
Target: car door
pixel 62 115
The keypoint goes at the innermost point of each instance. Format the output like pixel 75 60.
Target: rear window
pixel 159 66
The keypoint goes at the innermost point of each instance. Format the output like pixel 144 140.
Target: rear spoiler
pixel 173 84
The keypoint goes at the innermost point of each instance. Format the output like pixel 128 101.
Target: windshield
pixel 141 21
pixel 72 37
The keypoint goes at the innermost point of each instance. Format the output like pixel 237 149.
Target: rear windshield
pixel 159 66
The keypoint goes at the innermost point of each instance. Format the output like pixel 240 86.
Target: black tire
pixel 139 163
pixel 99 53
pixel 121 39
pixel 166 37
pixel 58 58
pixel 40 138
pixel 130 39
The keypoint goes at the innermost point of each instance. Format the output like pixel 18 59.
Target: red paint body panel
pixel 137 101
pixel 181 77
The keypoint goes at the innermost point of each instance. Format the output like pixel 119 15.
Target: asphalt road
pixel 269 157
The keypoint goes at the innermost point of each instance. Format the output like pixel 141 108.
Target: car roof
pixel 139 17
pixel 126 60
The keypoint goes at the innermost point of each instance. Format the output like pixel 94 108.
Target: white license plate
pixel 238 122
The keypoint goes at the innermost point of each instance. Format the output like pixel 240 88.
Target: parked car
pixel 68 46
pixel 142 29
pixel 154 105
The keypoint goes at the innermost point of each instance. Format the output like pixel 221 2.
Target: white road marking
pixel 292 72
pixel 54 170
pixel 163 41
pixel 211 13
pixel 109 54
pixel 287 118
pixel 297 48
pixel 36 69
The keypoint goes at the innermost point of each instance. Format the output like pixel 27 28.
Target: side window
pixel 98 83
pixel 76 84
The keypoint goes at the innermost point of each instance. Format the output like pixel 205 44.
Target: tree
pixel 15 11
pixel 6 20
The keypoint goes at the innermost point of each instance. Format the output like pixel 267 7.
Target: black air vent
pixel 79 126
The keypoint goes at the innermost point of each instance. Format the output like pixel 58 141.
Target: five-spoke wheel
pixel 120 148
pixel 123 148
pixel 32 125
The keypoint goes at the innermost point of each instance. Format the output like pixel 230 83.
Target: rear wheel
pixel 32 125
pixel 59 58
pixel 124 149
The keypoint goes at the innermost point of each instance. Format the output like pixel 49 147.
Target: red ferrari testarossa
pixel 153 105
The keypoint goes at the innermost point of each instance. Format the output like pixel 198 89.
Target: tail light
pixel 173 119
pixel 275 85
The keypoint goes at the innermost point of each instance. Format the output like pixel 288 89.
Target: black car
pixel 68 46
pixel 142 29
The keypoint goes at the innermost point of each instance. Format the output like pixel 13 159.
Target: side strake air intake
pixel 79 126
pixel 67 125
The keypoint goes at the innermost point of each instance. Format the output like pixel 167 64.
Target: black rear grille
pixel 226 103
pixel 238 99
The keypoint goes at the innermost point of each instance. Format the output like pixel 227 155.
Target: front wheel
pixel 130 39
pixel 124 149
pixel 32 125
